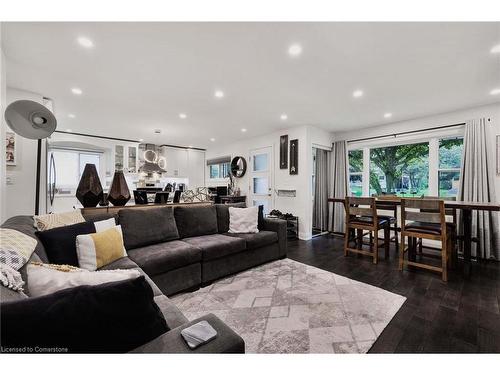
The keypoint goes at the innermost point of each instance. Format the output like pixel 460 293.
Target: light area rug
pixel 290 307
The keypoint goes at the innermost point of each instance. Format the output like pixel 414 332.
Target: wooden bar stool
pixel 427 221
pixel 361 215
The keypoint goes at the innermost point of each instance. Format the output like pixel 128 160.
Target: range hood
pixel 151 158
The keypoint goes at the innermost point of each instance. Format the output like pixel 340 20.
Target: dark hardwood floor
pixel 461 316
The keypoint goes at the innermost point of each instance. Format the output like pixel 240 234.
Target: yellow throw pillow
pixel 96 250
pixel 50 221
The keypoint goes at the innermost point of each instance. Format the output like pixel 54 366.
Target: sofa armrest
pixel 278 226
pixel 227 341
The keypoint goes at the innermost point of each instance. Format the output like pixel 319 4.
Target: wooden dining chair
pixel 361 215
pixel 450 214
pixel 392 217
pixel 425 219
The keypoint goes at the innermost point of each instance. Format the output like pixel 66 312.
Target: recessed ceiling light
pixel 495 92
pixel 85 42
pixel 141 140
pixel 295 50
pixel 69 130
pixel 358 93
pixel 219 94
pixel 387 115
pixel 495 49
pixel 182 115
pixel 283 117
pixel 71 115
pixel 243 130
pixel 76 91
pixel 212 139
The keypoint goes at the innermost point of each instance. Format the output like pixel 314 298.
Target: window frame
pixel 431 137
pixel 224 169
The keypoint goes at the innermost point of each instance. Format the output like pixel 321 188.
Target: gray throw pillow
pixel 143 227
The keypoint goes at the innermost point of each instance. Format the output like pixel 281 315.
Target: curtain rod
pixel 407 132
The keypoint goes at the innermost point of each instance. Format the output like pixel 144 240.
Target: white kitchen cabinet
pixel 196 168
pixel 176 161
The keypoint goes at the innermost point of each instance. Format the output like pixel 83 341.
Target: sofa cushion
pixel 223 215
pixel 166 256
pixel 60 243
pixel 7 294
pixel 109 318
pixel 256 240
pixel 217 245
pixel 147 227
pixel 170 312
pixel 120 264
pixel 196 220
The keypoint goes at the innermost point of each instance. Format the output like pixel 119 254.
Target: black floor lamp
pixel 31 120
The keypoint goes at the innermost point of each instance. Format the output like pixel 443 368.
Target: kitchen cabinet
pixel 196 168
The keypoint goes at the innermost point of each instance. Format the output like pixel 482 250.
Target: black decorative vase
pixel 89 191
pixel 118 193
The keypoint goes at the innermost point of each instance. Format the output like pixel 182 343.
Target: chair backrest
pixel 361 206
pixel 161 197
pixel 140 197
pixel 447 211
pixel 177 196
pixel 430 211
pixel 387 206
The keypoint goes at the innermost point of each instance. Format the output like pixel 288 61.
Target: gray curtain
pixel 477 185
pixel 320 203
pixel 337 185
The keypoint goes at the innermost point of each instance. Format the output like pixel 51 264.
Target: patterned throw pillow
pixel 15 248
pixel 49 278
pixel 96 250
pixel 50 221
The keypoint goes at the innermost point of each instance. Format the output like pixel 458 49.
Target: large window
pixel 401 170
pixel 219 170
pixel 450 161
pixel 70 165
pixel 428 168
pixel 356 172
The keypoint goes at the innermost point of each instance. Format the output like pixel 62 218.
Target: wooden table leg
pixel 467 219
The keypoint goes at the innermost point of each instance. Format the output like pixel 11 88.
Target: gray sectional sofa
pixel 179 249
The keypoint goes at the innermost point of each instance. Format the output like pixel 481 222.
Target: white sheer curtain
pixel 337 185
pixel 477 185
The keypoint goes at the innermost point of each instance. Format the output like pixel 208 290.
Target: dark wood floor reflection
pixel 461 316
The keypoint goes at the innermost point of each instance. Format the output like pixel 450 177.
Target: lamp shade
pixel 30 119
pixel 89 191
pixel 119 194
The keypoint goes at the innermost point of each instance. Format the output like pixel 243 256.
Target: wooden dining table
pixel 466 208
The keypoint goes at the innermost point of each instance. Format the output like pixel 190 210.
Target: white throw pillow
pixel 101 226
pixel 243 220
pixel 49 278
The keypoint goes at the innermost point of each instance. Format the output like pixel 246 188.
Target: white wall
pixel 301 205
pixel 491 111
pixel 3 125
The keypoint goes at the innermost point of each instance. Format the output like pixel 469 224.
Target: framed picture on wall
pixel 498 154
pixel 10 148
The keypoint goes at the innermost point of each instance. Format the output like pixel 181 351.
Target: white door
pixel 261 178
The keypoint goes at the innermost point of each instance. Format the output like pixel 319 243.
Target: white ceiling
pixel 140 76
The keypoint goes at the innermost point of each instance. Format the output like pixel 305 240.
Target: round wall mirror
pixel 238 166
